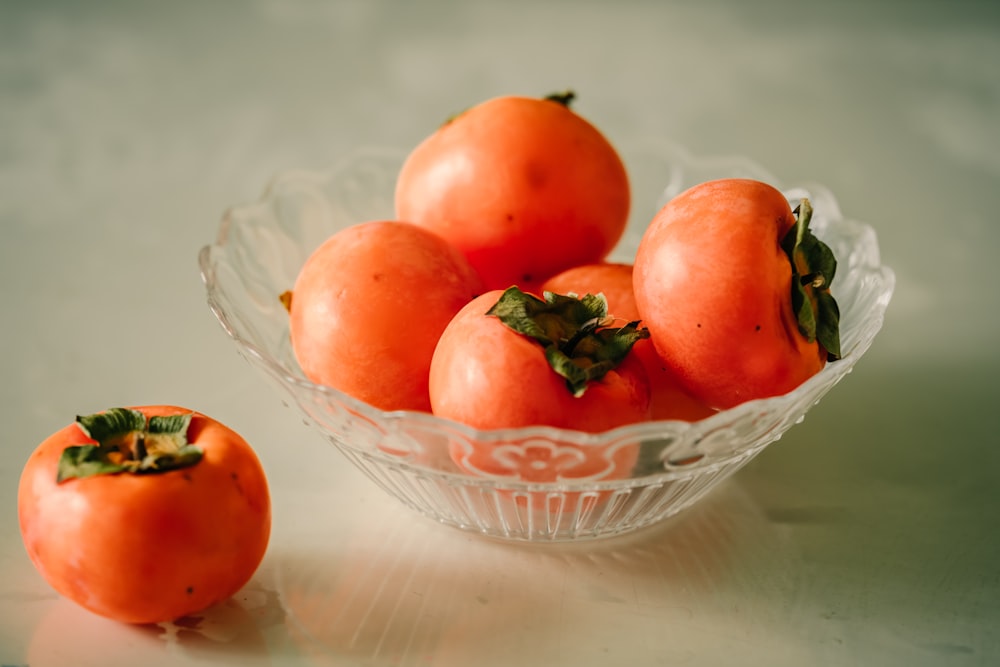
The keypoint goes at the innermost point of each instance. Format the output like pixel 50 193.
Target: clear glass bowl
pixel 580 485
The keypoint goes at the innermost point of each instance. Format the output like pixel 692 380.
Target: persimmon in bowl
pixel 537 483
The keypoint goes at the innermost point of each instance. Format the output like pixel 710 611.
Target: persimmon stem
pixel 140 447
pixel 564 98
pixel 569 346
pixel 815 280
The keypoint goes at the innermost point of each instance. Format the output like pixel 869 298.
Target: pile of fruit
pixel 489 299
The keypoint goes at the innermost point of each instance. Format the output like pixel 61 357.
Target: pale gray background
pixel 867 536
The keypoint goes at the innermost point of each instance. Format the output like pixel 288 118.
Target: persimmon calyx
pixel 813 268
pixel 286 300
pixel 580 340
pixel 564 97
pixel 128 441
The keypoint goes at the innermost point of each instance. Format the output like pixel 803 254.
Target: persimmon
pixel 510 359
pixel 368 306
pixel 524 187
pixel 145 514
pixel 668 400
pixel 735 291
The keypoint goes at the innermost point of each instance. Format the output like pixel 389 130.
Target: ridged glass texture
pixel 261 246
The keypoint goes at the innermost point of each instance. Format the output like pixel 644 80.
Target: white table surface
pixel 867 536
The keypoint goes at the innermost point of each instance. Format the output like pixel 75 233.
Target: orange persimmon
pixel 368 306
pixel 145 514
pixel 510 360
pixel 614 280
pixel 735 291
pixel 524 187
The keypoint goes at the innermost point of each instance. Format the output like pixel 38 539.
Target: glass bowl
pixel 543 484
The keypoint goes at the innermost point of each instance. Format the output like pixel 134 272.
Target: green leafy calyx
pixel 579 338
pixel 128 442
pixel 813 269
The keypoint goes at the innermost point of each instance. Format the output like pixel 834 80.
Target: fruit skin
pixel 368 306
pixel 713 285
pixel 524 187
pixel 614 280
pixel 154 547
